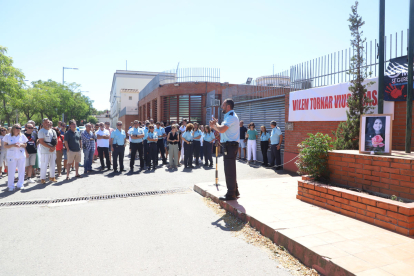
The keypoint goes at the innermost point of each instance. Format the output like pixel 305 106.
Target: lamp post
pixel 410 54
pixel 381 53
pixel 63 82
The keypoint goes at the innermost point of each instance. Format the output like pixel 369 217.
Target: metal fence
pixel 181 75
pixel 322 71
pixel 333 68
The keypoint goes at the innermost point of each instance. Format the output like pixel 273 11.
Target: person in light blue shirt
pixel 160 144
pixel 146 148
pixel 264 144
pixel 136 134
pixel 230 136
pixel 196 142
pixel 152 139
pixel 276 139
pixel 188 138
pixel 208 146
pixel 118 140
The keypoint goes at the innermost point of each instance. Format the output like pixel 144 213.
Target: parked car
pixel 82 129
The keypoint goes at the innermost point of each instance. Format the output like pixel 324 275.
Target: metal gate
pixel 261 112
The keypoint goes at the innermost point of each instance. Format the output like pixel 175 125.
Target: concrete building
pixel 124 96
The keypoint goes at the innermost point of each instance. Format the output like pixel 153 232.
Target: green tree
pixel 11 80
pixel 92 119
pixel 347 133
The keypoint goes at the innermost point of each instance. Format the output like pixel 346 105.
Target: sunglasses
pixel 151 128
pixel 119 125
pixel 29 127
pixel 18 128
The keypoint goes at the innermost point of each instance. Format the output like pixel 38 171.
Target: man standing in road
pixel 118 140
pixel 160 145
pixel 110 129
pixel 48 141
pixel 136 134
pixel 229 138
pixel 276 139
pixel 73 144
pixel 88 141
pixel 242 143
pixel 102 141
pixel 31 151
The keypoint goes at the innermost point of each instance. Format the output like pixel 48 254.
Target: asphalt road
pixel 172 234
pixel 109 183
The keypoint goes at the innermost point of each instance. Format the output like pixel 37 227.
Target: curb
pixel 309 258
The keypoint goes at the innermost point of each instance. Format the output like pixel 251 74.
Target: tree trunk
pixel 7 114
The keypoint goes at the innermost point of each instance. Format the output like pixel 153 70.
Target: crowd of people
pixel 51 150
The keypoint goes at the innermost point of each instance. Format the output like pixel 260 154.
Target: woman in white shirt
pixel 15 143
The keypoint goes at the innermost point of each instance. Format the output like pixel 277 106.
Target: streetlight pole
pixel 63 83
pixel 381 64
pixel 410 54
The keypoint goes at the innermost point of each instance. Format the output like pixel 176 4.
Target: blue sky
pixel 242 38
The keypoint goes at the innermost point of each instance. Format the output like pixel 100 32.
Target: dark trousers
pixel 207 147
pixel 275 154
pixel 134 148
pixel 229 158
pixel 152 155
pixel 264 145
pixel 160 145
pixel 118 154
pixel 188 154
pixel 146 153
pixel 202 151
pixel 196 150
pixel 101 152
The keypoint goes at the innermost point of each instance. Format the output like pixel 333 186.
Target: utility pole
pixel 381 63
pixel 409 121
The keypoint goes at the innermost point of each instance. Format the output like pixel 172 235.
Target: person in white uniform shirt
pixel 103 136
pixel 182 130
pixel 48 140
pixel 15 143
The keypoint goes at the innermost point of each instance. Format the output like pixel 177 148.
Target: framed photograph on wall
pixel 375 135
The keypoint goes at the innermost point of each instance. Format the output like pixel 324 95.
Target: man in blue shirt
pixel 160 145
pixel 136 134
pixel 229 137
pixel 276 139
pixel 118 139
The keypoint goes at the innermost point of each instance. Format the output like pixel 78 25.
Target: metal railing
pixel 181 75
pixel 333 68
pixel 322 71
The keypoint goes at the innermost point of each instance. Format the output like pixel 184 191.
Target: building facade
pixel 124 95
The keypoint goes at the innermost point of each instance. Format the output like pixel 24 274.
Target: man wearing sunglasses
pixel 118 140
pixel 31 151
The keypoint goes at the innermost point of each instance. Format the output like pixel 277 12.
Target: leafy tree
pixel 11 80
pixel 92 119
pixel 347 133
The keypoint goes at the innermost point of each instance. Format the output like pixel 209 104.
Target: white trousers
pixel 251 148
pixel 20 164
pixel 47 159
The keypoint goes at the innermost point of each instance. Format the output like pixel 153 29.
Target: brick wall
pixel 301 129
pixel 126 121
pixel 391 176
pixel 392 215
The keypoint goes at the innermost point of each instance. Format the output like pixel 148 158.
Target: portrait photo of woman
pixel 375 134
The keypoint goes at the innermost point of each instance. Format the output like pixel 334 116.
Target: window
pixel 130 98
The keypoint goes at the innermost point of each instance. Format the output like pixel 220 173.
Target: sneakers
pixel 11 189
pixel 30 180
pixel 21 188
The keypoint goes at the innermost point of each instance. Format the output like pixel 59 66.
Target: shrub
pixel 313 156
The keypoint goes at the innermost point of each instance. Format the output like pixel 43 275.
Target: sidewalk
pixel 331 243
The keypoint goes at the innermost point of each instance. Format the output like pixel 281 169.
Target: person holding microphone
pixel 229 138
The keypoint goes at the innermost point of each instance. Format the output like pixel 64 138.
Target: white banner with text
pixel 329 103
